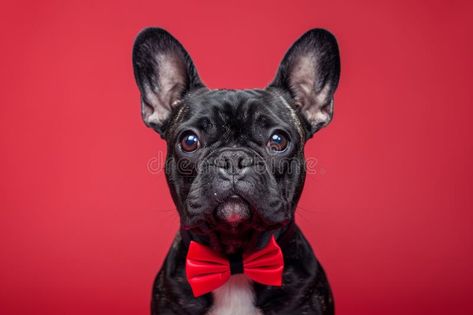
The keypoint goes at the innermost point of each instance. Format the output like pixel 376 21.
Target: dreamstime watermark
pixel 186 166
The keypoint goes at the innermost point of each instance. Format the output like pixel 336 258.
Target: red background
pixel 84 225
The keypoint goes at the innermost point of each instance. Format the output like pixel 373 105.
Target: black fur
pixel 234 159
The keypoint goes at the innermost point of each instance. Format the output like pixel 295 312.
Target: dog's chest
pixel 235 297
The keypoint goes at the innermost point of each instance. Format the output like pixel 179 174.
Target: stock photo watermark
pixel 157 164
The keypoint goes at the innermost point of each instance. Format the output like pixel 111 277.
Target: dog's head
pixel 235 162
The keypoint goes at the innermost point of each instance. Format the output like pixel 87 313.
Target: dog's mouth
pixel 234 228
pixel 233 212
pixel 235 225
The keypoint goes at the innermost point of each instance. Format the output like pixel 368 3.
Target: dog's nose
pixel 234 163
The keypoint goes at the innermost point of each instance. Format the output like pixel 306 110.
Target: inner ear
pixel 309 73
pixel 162 92
pixel 311 96
pixel 164 73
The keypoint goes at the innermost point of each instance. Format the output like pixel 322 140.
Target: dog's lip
pixel 240 232
pixel 233 211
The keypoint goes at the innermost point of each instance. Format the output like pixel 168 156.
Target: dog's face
pixel 235 163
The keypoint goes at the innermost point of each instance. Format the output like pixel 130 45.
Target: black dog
pixel 235 168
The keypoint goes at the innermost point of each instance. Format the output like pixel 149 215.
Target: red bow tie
pixel 207 270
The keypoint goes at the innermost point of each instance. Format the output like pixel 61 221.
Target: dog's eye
pixel 190 142
pixel 277 142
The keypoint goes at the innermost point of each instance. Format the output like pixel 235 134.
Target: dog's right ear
pixel 164 73
pixel 310 72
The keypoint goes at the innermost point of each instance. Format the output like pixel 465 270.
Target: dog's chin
pixel 235 226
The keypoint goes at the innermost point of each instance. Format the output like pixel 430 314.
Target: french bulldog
pixel 235 168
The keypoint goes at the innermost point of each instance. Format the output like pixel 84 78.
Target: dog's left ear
pixel 310 72
pixel 164 73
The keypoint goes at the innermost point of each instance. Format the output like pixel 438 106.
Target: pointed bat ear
pixel 164 73
pixel 309 73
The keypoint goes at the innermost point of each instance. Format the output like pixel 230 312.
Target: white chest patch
pixel 235 297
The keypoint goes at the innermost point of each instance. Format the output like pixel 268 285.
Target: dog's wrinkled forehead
pixel 239 113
